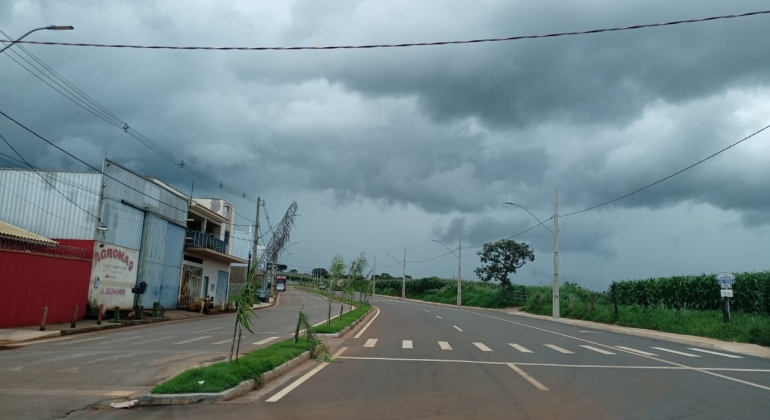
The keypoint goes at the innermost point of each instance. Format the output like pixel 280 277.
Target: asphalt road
pixel 51 378
pixel 422 361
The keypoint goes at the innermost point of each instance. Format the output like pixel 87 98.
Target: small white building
pixel 208 251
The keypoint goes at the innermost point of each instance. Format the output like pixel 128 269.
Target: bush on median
pixel 338 324
pixel 221 376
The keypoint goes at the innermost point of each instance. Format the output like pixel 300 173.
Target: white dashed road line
pixel 457 328
pixel 444 345
pixel 559 349
pixel 520 348
pixel 154 339
pixel 265 341
pixel 370 342
pixel 645 353
pixel 531 380
pixel 406 344
pixel 598 350
pixel 482 347
pixel 732 356
pixel 676 352
pixel 193 339
pixel 223 341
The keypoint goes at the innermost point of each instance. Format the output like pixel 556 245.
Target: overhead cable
pixel 402 45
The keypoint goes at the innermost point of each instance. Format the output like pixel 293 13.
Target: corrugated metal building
pixel 140 219
pixel 35 201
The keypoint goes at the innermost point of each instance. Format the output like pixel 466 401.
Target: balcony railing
pixel 204 240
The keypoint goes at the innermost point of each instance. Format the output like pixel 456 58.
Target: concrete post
pixel 74 317
pixel 42 320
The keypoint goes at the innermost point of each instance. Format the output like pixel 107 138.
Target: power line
pixel 83 100
pixel 670 176
pixel 404 45
pixel 87 164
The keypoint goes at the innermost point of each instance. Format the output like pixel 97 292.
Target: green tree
pixel 502 258
pixel 336 271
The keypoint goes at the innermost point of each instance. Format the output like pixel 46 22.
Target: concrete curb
pixel 690 340
pixel 210 397
pixel 349 327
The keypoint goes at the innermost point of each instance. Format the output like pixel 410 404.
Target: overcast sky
pixel 389 148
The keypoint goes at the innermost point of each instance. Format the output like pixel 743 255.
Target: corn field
pixel 751 292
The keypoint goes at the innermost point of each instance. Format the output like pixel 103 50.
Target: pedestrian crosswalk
pixel 578 350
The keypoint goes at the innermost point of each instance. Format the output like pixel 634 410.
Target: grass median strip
pixel 338 324
pixel 221 376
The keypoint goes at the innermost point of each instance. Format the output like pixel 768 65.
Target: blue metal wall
pixel 161 261
pixel 223 284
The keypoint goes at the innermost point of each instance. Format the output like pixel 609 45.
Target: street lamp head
pixel 60 28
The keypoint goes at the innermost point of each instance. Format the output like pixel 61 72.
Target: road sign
pixel 725 278
pixel 727 293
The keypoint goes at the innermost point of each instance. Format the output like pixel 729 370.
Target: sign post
pixel 725 282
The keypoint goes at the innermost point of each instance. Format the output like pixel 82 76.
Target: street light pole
pixel 459 266
pixel 48 28
pixel 460 270
pixel 555 233
pixel 403 279
pixel 556 313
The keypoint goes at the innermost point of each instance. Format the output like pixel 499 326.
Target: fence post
pixel 571 300
pixel 341 312
pixel 101 314
pixel 74 317
pixel 42 320
pixel 592 301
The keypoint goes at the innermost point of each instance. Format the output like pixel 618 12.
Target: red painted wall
pixel 32 281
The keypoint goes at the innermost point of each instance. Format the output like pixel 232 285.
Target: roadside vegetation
pixel 223 375
pixel 338 324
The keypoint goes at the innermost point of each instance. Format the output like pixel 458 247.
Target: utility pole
pixel 374 276
pixel 403 279
pixel 556 255
pixel 460 270
pixel 255 246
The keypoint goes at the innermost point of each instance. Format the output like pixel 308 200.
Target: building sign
pixel 113 274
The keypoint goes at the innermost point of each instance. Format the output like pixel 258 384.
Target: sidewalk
pixel 17 335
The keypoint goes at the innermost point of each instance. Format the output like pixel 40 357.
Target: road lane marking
pixel 80 341
pixel 732 356
pixel 368 324
pixel 117 356
pixel 520 348
pixel 210 329
pixel 424 310
pixel 154 339
pixel 123 339
pixel 676 352
pixel 265 341
pixel 531 380
pixel 172 358
pixel 596 349
pixel 303 378
pixel 65 357
pixel 370 342
pixel 729 378
pixel 559 349
pixel 193 339
pixel 13 369
pixel 636 351
pixel 406 344
pixel 73 369
pixel 223 341
pixel 482 347
pixel 444 345
pixel 438 317
pixel 457 328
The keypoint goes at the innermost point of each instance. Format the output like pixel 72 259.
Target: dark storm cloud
pixel 458 128
pixel 586 237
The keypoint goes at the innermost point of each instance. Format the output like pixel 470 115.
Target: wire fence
pixel 62 251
